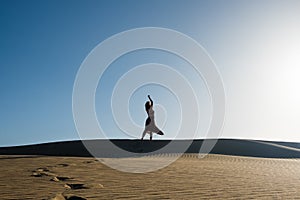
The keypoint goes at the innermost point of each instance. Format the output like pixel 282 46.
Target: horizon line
pixel 137 139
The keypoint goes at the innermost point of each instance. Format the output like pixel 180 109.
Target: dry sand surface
pixel 213 177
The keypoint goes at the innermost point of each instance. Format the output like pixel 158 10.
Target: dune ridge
pixel 252 148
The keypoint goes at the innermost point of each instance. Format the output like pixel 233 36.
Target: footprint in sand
pixel 60 178
pixel 42 169
pixel 88 162
pixel 72 197
pixel 39 172
pixel 75 186
pixel 62 165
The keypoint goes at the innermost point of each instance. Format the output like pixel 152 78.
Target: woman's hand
pixel 151 102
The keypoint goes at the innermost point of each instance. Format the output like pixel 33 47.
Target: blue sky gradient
pixel 43 43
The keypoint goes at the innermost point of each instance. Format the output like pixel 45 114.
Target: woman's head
pixel 148 105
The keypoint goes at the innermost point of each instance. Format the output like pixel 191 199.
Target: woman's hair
pixel 147 106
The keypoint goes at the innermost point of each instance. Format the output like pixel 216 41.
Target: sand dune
pixel 65 170
pixel 213 177
pixel 251 148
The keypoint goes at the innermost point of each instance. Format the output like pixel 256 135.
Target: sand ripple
pixel 213 177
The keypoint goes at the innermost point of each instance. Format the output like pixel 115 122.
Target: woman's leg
pixel 158 131
pixel 144 133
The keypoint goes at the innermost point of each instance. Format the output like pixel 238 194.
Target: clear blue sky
pixel 255 44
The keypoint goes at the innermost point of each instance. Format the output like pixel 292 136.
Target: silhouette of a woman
pixel 150 126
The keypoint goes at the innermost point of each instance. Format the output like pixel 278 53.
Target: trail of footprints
pixel 46 172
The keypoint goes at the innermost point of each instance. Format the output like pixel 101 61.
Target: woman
pixel 150 126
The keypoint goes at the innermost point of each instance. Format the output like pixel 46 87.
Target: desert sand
pixel 212 177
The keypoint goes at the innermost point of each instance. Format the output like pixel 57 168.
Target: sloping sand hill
pixel 251 148
pixel 213 177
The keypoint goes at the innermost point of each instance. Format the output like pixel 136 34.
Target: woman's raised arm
pixel 150 100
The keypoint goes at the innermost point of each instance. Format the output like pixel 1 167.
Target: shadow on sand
pixel 251 148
